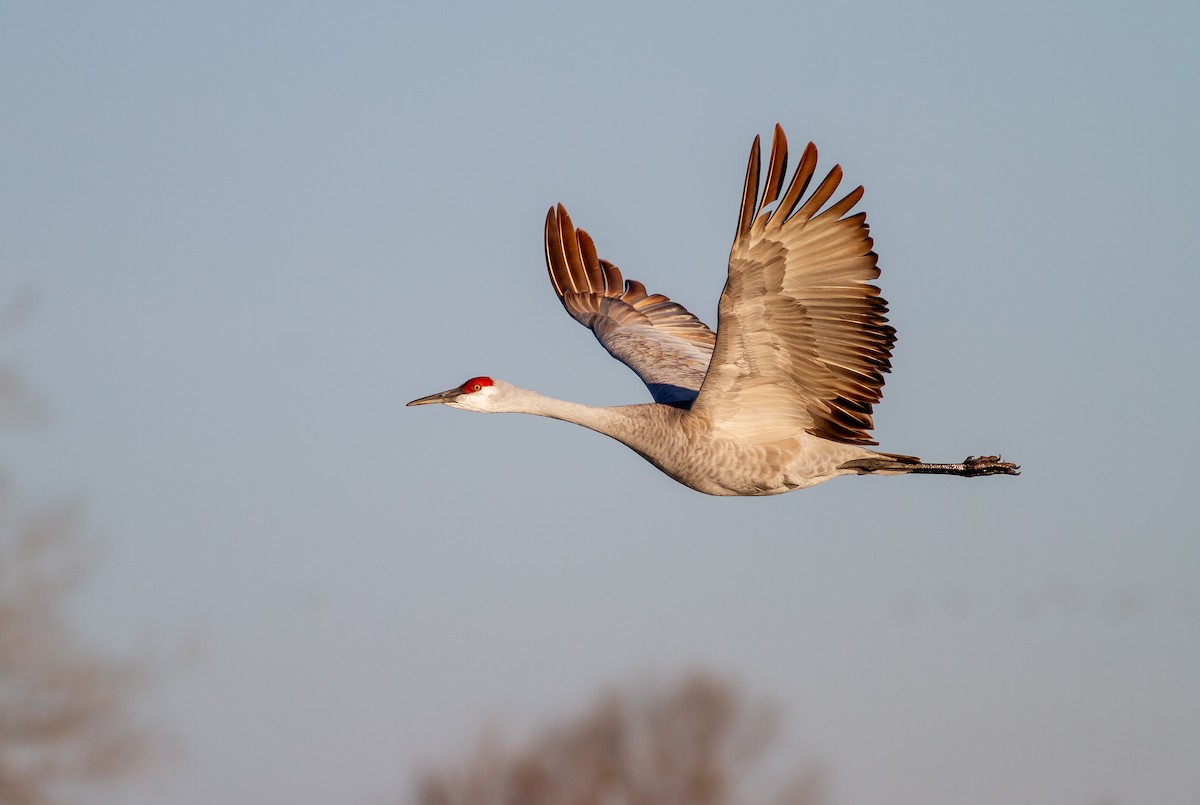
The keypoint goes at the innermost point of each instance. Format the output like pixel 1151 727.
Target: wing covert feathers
pixel 802 338
pixel 664 344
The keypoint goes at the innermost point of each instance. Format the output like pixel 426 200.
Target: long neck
pixel 614 422
pixel 656 432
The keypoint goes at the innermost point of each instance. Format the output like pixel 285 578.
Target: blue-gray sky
pixel 256 230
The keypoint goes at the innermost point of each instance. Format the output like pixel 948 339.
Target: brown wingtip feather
pixel 840 208
pixel 822 194
pixel 797 186
pixel 749 192
pixel 552 240
pixel 776 167
pixel 591 260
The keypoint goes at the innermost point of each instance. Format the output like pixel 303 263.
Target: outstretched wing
pixel 802 340
pixel 666 346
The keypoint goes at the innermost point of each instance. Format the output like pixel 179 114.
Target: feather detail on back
pixel 802 340
pixel 664 344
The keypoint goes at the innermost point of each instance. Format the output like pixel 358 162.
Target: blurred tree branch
pixel 65 710
pixel 695 743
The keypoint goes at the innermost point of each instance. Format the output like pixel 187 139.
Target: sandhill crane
pixel 780 397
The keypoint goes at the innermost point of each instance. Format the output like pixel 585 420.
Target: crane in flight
pixel 780 397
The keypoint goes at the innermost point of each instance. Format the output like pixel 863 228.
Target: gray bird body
pixel 781 397
pixel 686 445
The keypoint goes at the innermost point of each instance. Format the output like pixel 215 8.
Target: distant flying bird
pixel 780 397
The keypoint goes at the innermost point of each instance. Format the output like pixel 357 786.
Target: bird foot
pixel 988 465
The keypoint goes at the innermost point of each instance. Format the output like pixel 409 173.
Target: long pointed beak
pixel 441 397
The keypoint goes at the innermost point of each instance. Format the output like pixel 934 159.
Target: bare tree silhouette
pixel 695 743
pixel 65 710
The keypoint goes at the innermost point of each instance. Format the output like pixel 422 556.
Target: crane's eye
pixel 476 384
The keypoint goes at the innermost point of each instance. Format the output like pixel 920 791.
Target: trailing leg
pixel 971 467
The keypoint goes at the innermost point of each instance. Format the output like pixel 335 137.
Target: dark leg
pixel 973 466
